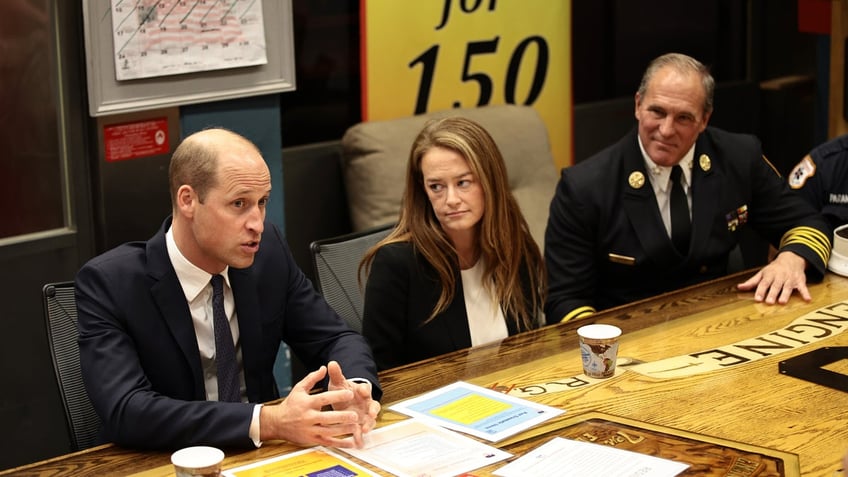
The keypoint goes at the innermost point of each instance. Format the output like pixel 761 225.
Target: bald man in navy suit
pixel 146 335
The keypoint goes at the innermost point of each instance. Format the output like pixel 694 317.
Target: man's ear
pixel 187 200
pixel 637 102
pixel 706 120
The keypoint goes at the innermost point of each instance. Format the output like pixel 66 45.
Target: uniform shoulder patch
pixel 803 171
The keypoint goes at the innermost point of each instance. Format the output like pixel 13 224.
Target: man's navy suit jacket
pixel 139 353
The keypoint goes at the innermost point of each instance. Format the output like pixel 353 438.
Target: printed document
pixel 566 457
pixel 477 411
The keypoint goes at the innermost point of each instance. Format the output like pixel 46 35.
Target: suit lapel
pixel 457 318
pixel 169 297
pixel 640 205
pixel 706 187
pixel 248 311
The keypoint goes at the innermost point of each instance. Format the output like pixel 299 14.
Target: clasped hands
pixel 302 419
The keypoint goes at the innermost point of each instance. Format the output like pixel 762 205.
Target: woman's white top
pixel 485 317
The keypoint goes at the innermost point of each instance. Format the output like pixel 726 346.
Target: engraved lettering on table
pixel 723 355
pixel 841 307
pixel 631 438
pixel 553 386
pixel 804 326
pixel 501 388
pixel 612 440
pixel 824 321
pixel 574 383
pixel 705 455
pixel 775 333
pixel 533 389
pixel 742 467
pixel 756 348
pixel 688 365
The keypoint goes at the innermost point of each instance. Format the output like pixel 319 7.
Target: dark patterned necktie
pixel 225 350
pixel 681 225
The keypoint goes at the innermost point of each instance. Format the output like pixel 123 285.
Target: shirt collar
pixel 192 278
pixel 660 174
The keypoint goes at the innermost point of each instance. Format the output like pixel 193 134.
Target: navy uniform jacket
pixel 138 348
pixel 606 245
pixel 822 179
pixel 400 294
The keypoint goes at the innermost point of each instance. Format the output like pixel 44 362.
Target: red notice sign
pixel 136 140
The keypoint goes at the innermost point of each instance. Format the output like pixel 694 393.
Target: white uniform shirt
pixel 661 181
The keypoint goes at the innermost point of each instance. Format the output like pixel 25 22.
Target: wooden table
pixel 750 403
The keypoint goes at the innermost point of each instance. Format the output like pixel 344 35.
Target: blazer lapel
pixel 457 318
pixel 168 295
pixel 248 311
pixel 706 184
pixel 640 205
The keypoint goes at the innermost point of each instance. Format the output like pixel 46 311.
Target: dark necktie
pixel 681 226
pixel 225 350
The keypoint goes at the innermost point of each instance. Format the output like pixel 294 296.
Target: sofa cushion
pixel 375 156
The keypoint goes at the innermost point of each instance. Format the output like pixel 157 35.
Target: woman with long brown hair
pixel 460 267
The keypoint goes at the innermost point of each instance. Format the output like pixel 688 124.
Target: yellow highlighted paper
pixel 307 462
pixel 470 409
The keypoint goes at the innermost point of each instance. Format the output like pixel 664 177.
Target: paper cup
pixel 198 461
pixel 599 349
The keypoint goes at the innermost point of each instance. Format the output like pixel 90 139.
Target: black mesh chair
pixel 60 313
pixel 336 262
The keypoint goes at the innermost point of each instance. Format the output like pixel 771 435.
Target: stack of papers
pixel 423 445
pixel 414 448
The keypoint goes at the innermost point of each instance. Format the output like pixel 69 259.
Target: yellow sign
pixel 426 56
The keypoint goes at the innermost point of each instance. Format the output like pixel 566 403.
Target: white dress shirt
pixel 661 182
pixel 198 292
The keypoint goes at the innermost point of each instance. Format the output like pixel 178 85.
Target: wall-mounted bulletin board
pixel 147 54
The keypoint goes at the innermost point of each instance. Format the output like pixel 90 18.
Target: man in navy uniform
pixel 627 224
pixel 822 179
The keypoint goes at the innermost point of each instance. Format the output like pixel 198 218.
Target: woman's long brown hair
pixel 505 243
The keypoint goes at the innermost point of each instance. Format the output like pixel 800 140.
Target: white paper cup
pixel 198 461
pixel 599 349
